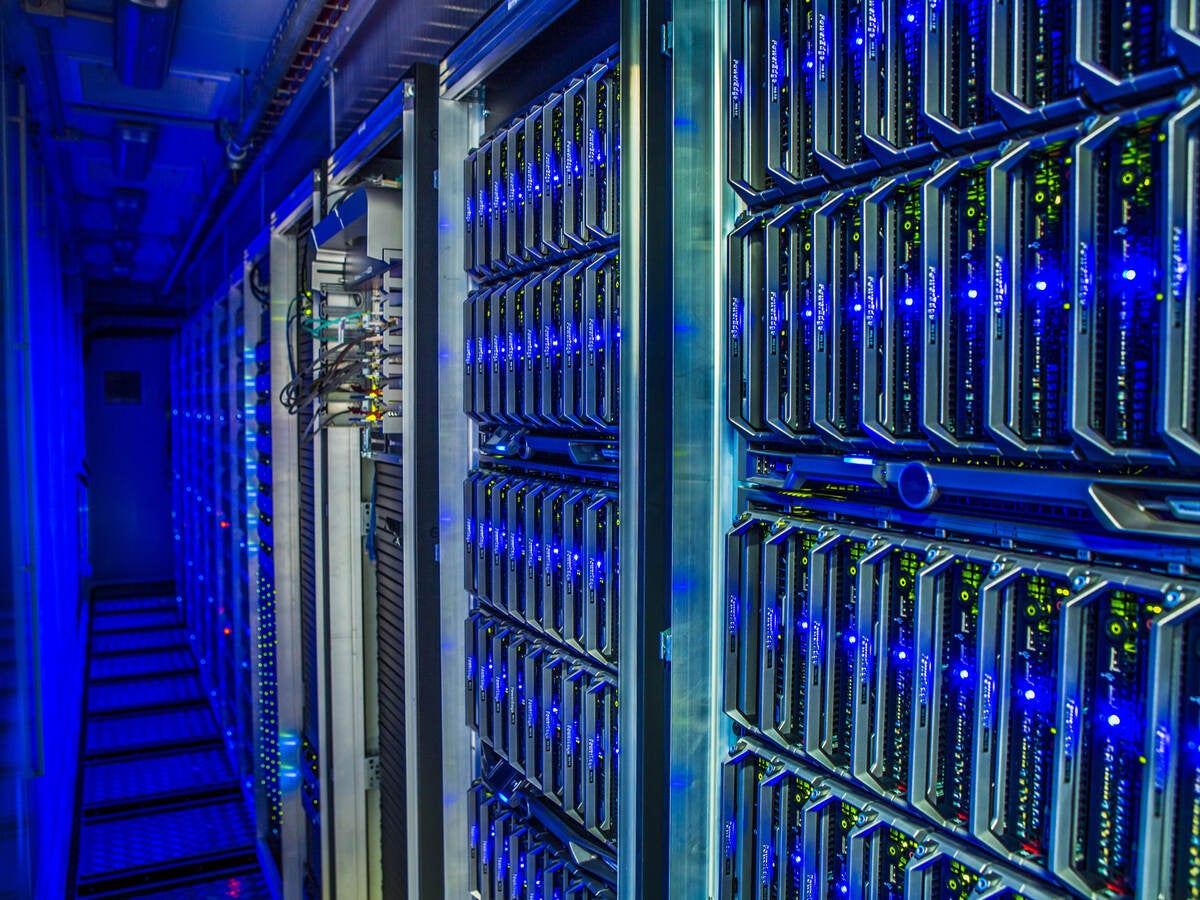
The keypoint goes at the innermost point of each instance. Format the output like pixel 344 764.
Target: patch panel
pixel 894 122
pixel 960 47
pixel 790 308
pixel 1034 76
pixel 1030 203
pixel 841 114
pixel 893 312
pixel 1121 280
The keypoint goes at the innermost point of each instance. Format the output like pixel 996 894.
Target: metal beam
pixel 422 602
pixel 646 435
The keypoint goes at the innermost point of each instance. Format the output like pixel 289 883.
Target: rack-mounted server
pixel 1037 704
pixel 541 376
pixel 791 831
pixel 960 593
pixel 1019 301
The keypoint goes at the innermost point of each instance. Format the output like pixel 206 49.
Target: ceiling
pixel 237 68
pixel 82 104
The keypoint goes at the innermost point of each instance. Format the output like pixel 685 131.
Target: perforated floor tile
pixel 133 641
pixel 126 621
pixel 128 604
pixel 155 839
pixel 159 690
pixel 127 733
pixel 109 783
pixel 142 664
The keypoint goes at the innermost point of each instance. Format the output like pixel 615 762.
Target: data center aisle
pixel 160 812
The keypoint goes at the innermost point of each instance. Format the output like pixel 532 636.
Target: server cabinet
pixel 956 596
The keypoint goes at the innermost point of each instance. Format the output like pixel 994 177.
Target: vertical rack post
pixel 645 447
pixel 420 440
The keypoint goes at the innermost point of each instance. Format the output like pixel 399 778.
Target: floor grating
pixel 161 812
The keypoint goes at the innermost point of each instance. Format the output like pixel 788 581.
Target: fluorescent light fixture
pixel 128 206
pixel 133 150
pixel 145 32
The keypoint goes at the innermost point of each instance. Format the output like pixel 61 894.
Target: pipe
pixel 25 348
pixel 299 23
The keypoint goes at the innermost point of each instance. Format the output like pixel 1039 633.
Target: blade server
pixel 960 596
pixel 541 363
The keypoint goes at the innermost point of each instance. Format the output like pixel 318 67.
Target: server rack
pixel 538 330
pixel 960 584
pixel 226 596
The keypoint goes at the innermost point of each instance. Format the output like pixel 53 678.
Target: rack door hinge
pixel 371 767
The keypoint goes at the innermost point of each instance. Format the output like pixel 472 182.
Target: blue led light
pixel 903 654
pixel 1030 694
pixel 1114 720
pixel 964 674
pixel 972 293
pixel 1129 274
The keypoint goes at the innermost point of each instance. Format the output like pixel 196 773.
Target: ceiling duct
pixel 145 33
pixel 132 151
